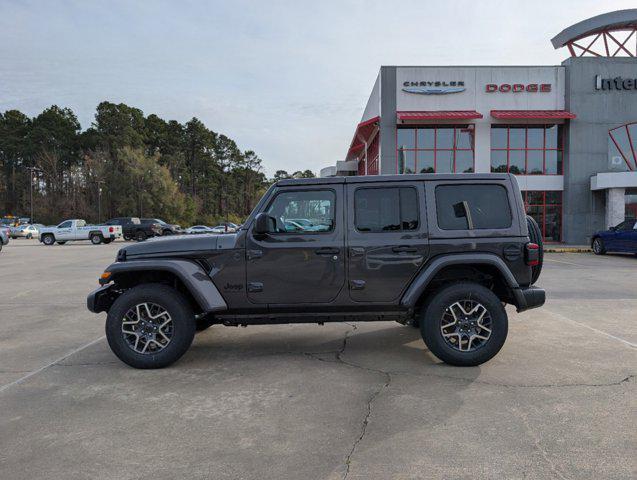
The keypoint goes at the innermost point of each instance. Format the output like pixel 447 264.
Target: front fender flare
pixel 420 283
pixel 194 278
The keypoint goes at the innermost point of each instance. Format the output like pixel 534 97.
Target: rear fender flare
pixel 420 283
pixel 194 278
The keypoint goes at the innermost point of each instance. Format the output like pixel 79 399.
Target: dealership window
pixel 526 149
pixel 435 149
pixel 386 209
pixel 461 207
pixel 546 209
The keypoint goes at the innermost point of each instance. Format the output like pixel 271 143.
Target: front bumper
pixel 101 299
pixel 529 297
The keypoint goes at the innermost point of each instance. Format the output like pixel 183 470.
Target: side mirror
pixel 264 223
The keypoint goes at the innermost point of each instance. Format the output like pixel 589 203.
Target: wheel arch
pixel 184 275
pixel 482 268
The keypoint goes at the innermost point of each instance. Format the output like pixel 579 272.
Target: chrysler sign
pixel 433 87
pixel 518 87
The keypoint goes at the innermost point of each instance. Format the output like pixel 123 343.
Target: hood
pixel 178 245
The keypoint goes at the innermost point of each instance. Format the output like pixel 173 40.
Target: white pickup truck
pixel 72 230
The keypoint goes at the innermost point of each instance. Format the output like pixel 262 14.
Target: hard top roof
pixel 393 178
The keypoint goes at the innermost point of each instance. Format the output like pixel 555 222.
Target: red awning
pixel 532 114
pixel 439 115
pixel 362 134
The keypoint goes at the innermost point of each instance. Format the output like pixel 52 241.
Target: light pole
pixel 32 171
pixel 99 201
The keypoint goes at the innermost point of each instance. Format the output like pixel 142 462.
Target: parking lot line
pixel 41 369
pixel 565 318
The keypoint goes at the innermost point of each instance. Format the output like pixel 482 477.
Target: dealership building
pixel 568 132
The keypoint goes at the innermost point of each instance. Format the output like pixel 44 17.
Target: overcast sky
pixel 287 79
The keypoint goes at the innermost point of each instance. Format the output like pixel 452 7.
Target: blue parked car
pixel 622 238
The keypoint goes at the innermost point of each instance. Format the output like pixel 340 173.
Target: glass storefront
pixel 546 209
pixel 526 149
pixel 435 149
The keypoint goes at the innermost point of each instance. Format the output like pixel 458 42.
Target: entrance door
pixel 387 240
pixel 303 260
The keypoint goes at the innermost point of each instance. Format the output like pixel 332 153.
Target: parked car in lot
pixel 73 230
pixel 166 228
pixel 134 229
pixel 4 236
pixel 621 238
pixel 195 229
pixel 24 231
pixel 375 254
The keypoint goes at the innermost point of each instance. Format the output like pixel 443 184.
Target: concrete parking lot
pixel 316 402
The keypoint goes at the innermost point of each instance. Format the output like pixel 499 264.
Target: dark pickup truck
pixel 441 252
pixel 135 229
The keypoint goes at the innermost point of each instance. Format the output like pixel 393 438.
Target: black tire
pixel 48 239
pixel 598 246
pixel 535 235
pixel 29 236
pixel 127 238
pixel 432 318
pixel 167 232
pixel 140 236
pixel 96 239
pixel 107 240
pixel 183 321
pixel 62 242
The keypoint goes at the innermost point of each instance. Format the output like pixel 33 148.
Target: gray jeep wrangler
pixel 444 253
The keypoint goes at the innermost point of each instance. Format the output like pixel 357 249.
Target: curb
pixel 567 249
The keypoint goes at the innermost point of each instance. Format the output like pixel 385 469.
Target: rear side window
pixel 386 209
pixel 463 207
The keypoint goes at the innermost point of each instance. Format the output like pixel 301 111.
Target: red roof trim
pixel 532 114
pixel 365 130
pixel 439 115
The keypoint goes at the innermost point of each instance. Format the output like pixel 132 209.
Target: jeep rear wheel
pixel 464 324
pixel 535 235
pixel 48 239
pixel 150 326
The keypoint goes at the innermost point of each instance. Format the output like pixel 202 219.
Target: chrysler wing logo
pixel 433 88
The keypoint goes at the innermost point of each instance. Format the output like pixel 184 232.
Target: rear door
pixel 299 264
pixel 387 239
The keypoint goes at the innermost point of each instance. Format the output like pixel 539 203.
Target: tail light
pixel 111 229
pixel 532 254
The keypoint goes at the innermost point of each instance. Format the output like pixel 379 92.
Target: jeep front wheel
pixel 464 324
pixel 150 326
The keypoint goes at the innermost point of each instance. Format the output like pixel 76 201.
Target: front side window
pixel 462 207
pixel 303 211
pixel 435 149
pixel 526 149
pixel 66 224
pixel 386 209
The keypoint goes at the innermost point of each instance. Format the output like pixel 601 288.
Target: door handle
pixel 404 248
pixel 327 251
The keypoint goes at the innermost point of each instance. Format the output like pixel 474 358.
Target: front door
pixel 387 239
pixel 64 231
pixel 303 260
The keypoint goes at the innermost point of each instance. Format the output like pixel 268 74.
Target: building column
pixel 482 147
pixel 615 206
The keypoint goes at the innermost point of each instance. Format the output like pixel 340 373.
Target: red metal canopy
pixel 362 134
pixel 439 115
pixel 532 114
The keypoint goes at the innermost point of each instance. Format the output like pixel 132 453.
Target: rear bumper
pixel 529 297
pixel 101 299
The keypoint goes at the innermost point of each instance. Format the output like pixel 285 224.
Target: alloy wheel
pixel 147 328
pixel 466 325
